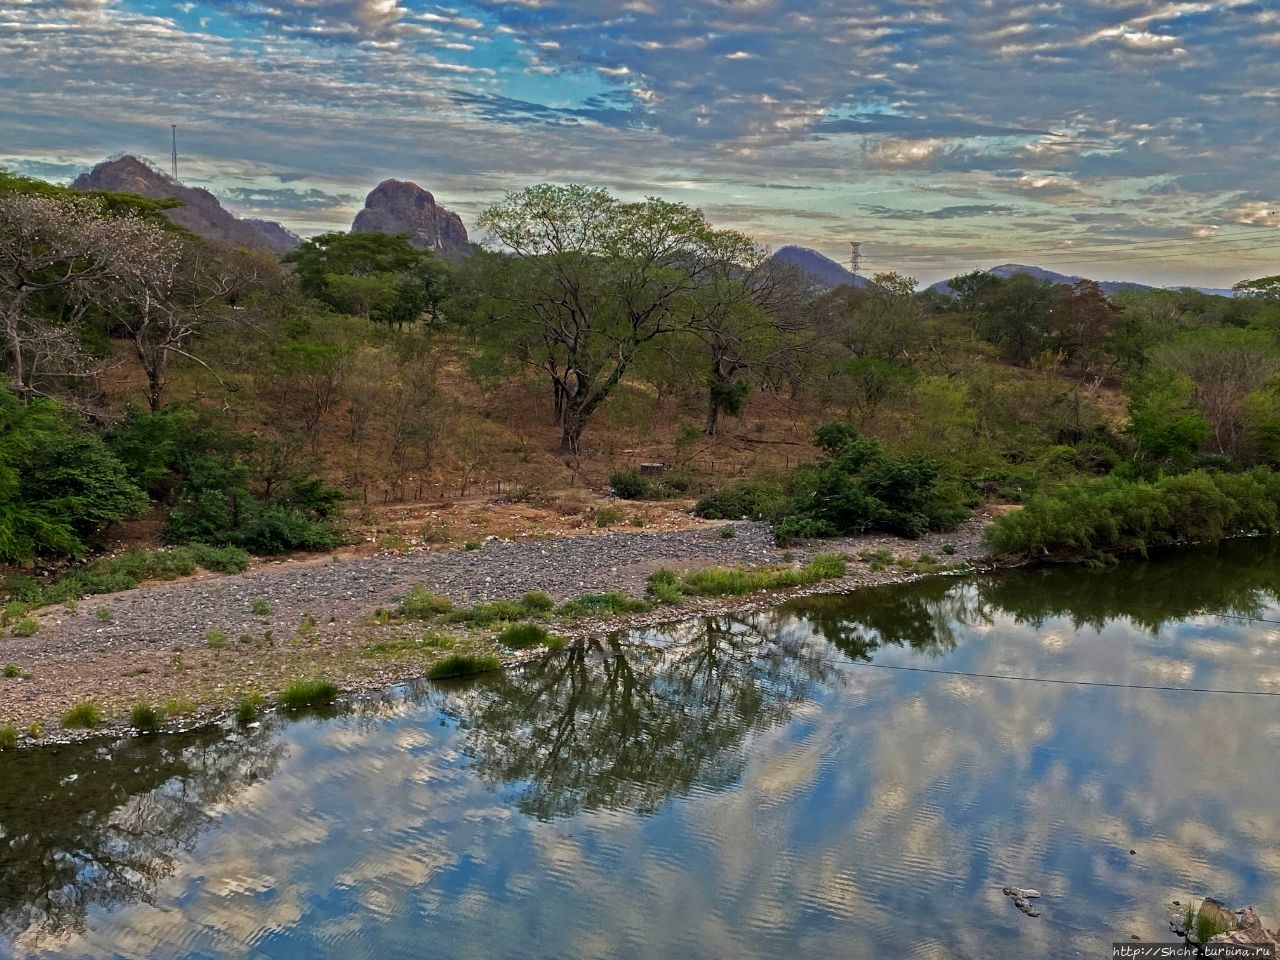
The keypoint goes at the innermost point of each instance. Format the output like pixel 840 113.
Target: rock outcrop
pixel 201 213
pixel 398 206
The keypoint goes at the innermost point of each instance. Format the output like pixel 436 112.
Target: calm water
pixel 763 786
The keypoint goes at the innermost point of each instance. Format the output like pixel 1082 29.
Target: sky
pixel 1118 139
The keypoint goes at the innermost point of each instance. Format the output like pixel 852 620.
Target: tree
pixel 1164 422
pixel 1225 365
pixel 1263 288
pixel 1016 317
pixel 181 294
pixel 379 276
pixel 59 256
pixel 592 281
pixel 59 486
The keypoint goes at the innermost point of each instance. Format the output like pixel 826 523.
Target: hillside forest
pixel 241 402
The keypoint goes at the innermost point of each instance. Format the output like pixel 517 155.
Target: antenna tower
pixel 173 156
pixel 855 256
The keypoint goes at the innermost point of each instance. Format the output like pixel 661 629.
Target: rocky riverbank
pixel 196 647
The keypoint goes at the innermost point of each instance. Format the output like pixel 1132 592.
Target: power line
pixel 1246 233
pixel 1076 256
pixel 1052 680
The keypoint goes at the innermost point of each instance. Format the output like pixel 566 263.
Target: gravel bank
pixel 315 616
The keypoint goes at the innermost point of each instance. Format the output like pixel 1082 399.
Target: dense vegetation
pixel 242 403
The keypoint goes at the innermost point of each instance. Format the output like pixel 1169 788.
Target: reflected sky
pixel 750 786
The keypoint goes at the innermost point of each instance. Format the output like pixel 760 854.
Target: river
pixel 851 776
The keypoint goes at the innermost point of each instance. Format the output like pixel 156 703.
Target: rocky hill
pixel 201 213
pixel 398 206
pixel 824 271
pixel 1109 287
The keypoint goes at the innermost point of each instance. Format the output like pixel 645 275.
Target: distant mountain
pixel 201 213
pixel 1006 270
pixel 824 271
pixel 398 206
pixel 279 239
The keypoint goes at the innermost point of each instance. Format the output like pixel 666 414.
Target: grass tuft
pixel 463 665
pixel 26 627
pixel 145 718
pixel 8 736
pixel 83 716
pixel 422 604
pixel 247 707
pixel 667 586
pixel 518 636
pixel 603 605
pixel 12 671
pixel 302 694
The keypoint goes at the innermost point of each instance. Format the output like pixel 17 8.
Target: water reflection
pixel 1238 578
pixel 102 823
pixel 738 786
pixel 612 727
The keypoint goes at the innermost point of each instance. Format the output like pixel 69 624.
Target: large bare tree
pixel 59 257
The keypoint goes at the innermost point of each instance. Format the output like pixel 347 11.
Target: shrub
pixel 104 614
pixel 304 694
pixel 664 587
pixel 521 635
pixel 463 665
pixel 736 581
pixel 59 485
pixel 216 638
pixel 727 533
pixel 421 604
pixel 26 627
pixel 260 607
pixel 145 718
pixel 84 716
pixel 608 516
pixel 220 559
pixel 12 671
pixel 537 602
pixel 8 736
pixel 635 486
pixel 753 500
pixel 1096 519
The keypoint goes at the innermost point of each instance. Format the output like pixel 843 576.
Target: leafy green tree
pixel 591 282
pixel 1164 421
pixel 1263 288
pixel 1016 318
pixel 374 275
pixel 59 486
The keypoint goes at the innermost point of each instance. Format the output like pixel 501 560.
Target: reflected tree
pixel 609 727
pixel 102 824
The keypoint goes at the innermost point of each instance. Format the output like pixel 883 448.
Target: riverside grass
pixel 667 586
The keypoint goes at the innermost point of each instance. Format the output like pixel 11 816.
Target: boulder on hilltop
pixel 399 206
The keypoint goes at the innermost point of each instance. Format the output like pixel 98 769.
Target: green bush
pixel 664 587
pixel 537 602
pixel 634 486
pixel 26 627
pixel 1096 519
pixel 145 718
pixel 84 716
pixel 421 604
pixel 754 500
pixel 12 671
pixel 59 484
pixel 304 694
pixel 463 665
pixel 8 736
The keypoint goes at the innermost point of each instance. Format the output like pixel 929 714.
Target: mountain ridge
pixel 201 212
